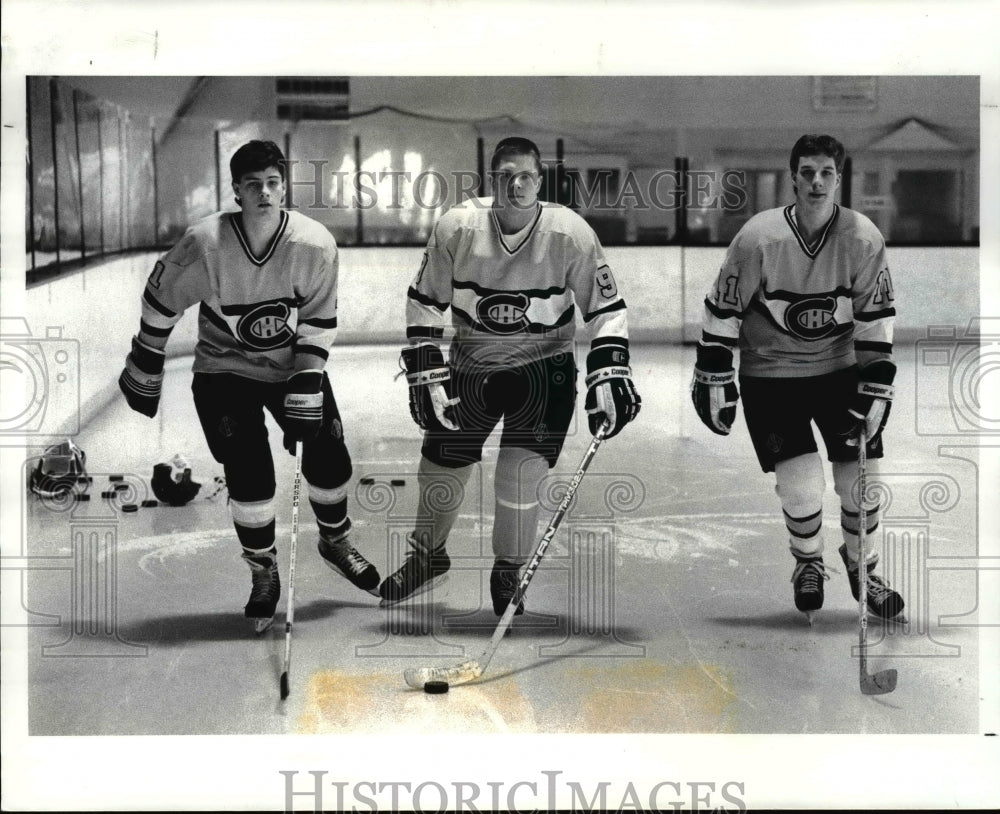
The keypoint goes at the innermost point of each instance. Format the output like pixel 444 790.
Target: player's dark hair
pixel 255 156
pixel 812 144
pixel 515 145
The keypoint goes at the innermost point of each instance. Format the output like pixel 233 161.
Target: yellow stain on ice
pixel 375 703
pixel 639 695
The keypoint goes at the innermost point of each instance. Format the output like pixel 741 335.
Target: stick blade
pixel 462 673
pixel 284 685
pixel 878 683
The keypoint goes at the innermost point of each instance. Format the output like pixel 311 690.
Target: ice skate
pixel 807 583
pixel 265 592
pixel 503 586
pixel 342 557
pixel 883 601
pixel 418 574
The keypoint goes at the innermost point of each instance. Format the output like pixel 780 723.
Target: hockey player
pixel 806 295
pixel 266 281
pixel 513 271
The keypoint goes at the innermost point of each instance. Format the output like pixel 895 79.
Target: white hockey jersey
pixel 262 317
pixel 800 310
pixel 513 298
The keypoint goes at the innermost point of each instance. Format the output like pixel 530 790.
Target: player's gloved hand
pixel 142 379
pixel 303 407
pixel 611 395
pixel 871 404
pixel 713 388
pixel 429 377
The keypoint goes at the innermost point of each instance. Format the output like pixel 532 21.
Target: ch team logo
pixel 504 312
pixel 813 318
pixel 265 326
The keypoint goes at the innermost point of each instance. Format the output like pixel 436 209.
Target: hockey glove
pixel 303 407
pixel 872 402
pixel 142 379
pixel 611 395
pixel 429 376
pixel 713 389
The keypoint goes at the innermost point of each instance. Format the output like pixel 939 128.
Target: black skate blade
pixel 427 587
pixel 284 686
pixel 879 683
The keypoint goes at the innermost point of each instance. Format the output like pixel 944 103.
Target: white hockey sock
pixel 800 486
pixel 518 473
pixel 845 483
pixel 442 490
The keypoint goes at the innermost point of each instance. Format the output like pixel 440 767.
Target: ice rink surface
pixel 663 606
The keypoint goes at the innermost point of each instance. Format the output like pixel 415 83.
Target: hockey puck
pixel 150 504
pixel 81 496
pixel 84 479
pixel 114 478
pixel 401 482
pixel 112 493
pixel 436 687
pixel 129 507
pixel 120 487
pixel 367 481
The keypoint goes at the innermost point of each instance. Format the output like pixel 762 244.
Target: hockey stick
pixel 290 613
pixel 883 681
pixel 468 671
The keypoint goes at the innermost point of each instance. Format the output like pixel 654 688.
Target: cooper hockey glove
pixel 871 404
pixel 713 389
pixel 142 379
pixel 611 395
pixel 428 377
pixel 303 407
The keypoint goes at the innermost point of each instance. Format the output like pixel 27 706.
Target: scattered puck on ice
pixel 83 497
pixel 367 481
pixel 401 482
pixel 114 478
pixel 436 687
pixel 129 507
pixel 84 479
pixel 150 504
pixel 112 493
pixel 120 487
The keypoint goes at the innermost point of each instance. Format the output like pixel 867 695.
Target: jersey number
pixel 154 277
pixel 728 291
pixel 606 283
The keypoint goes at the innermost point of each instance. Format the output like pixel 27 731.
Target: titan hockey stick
pixel 468 671
pixel 290 613
pixel 883 681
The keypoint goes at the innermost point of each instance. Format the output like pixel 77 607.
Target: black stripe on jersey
pixel 871 316
pixel 317 322
pixel 149 330
pixel 821 242
pixel 530 328
pixel 237 221
pixel 242 308
pixel 315 350
pixel 794 296
pixel 715 339
pixel 875 347
pixel 423 299
pixel 424 332
pixel 527 237
pixel 214 318
pixel 621 341
pixel 615 306
pixel 534 293
pixel 722 313
pixel 156 305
